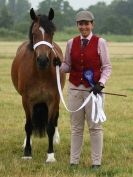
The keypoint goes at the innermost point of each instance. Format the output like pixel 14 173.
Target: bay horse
pixel 34 77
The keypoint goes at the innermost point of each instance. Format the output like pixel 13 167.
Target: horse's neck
pixel 58 51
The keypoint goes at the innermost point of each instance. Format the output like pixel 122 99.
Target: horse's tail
pixel 40 119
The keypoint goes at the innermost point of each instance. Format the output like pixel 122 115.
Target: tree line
pixel 115 18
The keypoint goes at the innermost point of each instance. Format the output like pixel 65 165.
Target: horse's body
pixel 34 77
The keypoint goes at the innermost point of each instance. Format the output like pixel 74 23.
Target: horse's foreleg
pixel 56 139
pixel 28 130
pixel 50 132
pixel 27 143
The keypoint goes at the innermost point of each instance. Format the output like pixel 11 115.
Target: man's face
pixel 85 27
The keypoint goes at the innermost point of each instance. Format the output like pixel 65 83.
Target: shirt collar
pixel 88 37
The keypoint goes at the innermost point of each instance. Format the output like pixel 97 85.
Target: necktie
pixel 84 42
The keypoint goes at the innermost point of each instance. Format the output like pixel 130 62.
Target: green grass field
pixel 118 129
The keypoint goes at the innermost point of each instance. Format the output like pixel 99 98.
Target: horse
pixel 34 77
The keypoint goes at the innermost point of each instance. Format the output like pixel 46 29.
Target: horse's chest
pixel 40 94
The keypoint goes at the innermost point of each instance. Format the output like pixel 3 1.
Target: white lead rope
pixel 97 106
pixel 61 94
pixel 97 109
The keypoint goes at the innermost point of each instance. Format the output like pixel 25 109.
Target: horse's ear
pixel 51 14
pixel 33 14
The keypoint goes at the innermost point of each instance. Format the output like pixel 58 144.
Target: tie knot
pixel 84 42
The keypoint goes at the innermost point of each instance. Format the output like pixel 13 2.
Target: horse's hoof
pixel 56 139
pixel 27 157
pixel 50 158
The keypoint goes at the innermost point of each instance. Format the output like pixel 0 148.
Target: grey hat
pixel 84 15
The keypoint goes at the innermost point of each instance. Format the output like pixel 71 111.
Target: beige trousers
pixel 75 100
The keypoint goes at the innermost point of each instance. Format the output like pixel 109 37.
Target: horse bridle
pixel 44 43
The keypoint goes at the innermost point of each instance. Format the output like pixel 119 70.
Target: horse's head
pixel 41 36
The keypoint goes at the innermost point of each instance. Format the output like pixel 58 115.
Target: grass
pixel 118 145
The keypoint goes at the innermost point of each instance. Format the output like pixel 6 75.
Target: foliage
pixel 22 27
pixel 15 11
pixel 63 12
pixel 118 27
pixel 115 18
pixel 2 3
pixel 6 34
pixel 6 20
pixel 22 8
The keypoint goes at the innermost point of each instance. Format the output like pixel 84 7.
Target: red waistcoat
pixel 84 59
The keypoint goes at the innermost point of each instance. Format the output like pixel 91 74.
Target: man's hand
pixel 97 88
pixel 56 62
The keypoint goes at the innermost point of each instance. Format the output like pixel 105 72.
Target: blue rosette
pixel 89 75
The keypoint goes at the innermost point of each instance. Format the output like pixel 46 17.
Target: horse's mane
pixel 47 25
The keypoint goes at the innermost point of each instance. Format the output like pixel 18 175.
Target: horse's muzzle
pixel 42 62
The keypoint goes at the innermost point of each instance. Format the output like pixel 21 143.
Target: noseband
pixel 44 43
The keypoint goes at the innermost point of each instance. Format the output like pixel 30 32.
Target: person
pixel 85 52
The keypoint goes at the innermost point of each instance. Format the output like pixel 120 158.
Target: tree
pixel 44 6
pixel 12 8
pixel 11 5
pixel 101 12
pixel 115 25
pixel 2 3
pixel 22 8
pixel 6 20
pixel 115 18
pixel 64 13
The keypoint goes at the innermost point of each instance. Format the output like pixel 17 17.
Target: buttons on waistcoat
pixel 81 65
